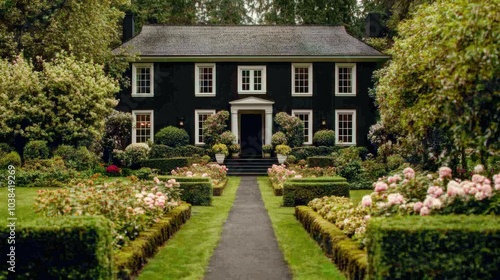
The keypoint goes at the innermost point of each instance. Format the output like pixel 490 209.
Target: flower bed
pixel 218 173
pixel 278 174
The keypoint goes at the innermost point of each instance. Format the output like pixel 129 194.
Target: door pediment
pixel 251 101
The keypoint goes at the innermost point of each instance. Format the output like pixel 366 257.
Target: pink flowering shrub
pixel 278 174
pixel 218 173
pixel 131 207
pixel 113 170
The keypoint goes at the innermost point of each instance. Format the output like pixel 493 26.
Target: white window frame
pixel 354 127
pixel 134 131
pixel 196 124
pixel 310 126
pixel 197 80
pixel 353 79
pixel 134 79
pixel 310 79
pixel 252 68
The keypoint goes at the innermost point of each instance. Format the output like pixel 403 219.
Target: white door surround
pixel 253 103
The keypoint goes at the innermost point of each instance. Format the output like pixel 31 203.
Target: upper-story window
pixel 345 79
pixel 302 79
pixel 142 79
pixel 252 79
pixel 205 79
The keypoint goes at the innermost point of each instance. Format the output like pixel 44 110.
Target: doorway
pixel 251 135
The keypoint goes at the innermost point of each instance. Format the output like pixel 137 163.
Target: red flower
pixel 112 169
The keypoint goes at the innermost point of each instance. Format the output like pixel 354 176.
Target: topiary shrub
pixel 172 136
pixel 227 138
pixel 320 161
pixel 301 191
pixel 160 151
pixel 133 155
pixel 309 151
pixel 324 138
pixel 293 128
pixel 36 149
pixel 278 138
pixel 12 158
pixel 165 165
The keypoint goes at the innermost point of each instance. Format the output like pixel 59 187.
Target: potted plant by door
pixel 235 150
pixel 267 150
pixel 282 152
pixel 220 151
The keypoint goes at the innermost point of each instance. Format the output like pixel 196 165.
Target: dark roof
pixel 247 40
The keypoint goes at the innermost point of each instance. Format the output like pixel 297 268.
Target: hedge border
pixel 301 192
pixel 344 252
pixel 219 189
pixel 131 258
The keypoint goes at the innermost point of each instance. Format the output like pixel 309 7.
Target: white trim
pixel 310 79
pixel 252 68
pixel 197 92
pixel 251 104
pixel 152 118
pixel 353 78
pixel 151 79
pixel 310 126
pixel 354 127
pixel 281 58
pixel 196 125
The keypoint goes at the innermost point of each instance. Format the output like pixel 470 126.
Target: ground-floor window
pixel 199 118
pixel 345 127
pixel 306 117
pixel 142 127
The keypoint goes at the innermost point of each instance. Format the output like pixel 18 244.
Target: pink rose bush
pixel 131 207
pixel 278 174
pixel 218 173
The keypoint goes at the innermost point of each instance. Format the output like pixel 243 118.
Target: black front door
pixel 251 135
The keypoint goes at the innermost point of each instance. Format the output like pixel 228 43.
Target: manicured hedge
pixel 310 151
pixel 185 179
pixel 301 191
pixel 62 248
pixel 165 165
pixel 197 193
pixel 131 258
pixel 434 247
pixel 318 179
pixel 320 161
pixel 344 252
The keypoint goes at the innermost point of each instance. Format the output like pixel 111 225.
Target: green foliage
pixel 301 191
pixel 283 150
pixel 345 253
pixel 79 159
pixel 133 155
pixel 394 162
pixel 163 151
pixel 214 126
pixel 293 128
pixel 36 149
pixel 320 161
pixel 172 136
pixel 5 148
pixel 165 165
pixel 267 149
pixel 291 159
pixel 143 173
pixel 235 148
pixel 457 246
pixel 66 247
pixel 220 149
pixel 45 173
pixel 227 138
pixel 324 138
pixel 310 151
pixel 197 192
pixel 12 158
pixel 444 81
pixel 118 130
pixel 278 138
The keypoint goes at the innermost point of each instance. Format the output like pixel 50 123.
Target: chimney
pixel 374 26
pixel 128 27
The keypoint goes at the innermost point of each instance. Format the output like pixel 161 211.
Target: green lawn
pixel 187 254
pixel 304 257
pixel 357 195
pixel 25 199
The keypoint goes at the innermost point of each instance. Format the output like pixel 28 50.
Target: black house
pixel 320 74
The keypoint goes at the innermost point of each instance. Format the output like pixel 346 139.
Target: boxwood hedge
pixel 165 165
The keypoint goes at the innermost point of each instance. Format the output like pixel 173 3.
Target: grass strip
pixel 357 195
pixel 304 257
pixel 25 201
pixel 187 254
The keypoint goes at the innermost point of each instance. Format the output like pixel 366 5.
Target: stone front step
pixel 249 166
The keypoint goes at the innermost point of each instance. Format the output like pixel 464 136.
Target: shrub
pixel 160 151
pixel 190 150
pixel 5 148
pixel 220 149
pixel 197 192
pixel 218 173
pixel 320 161
pixel 227 138
pixel 144 173
pixel 297 192
pixel 267 149
pixel 118 130
pixel 283 150
pixel 36 149
pixel 79 159
pixel 292 127
pixel 324 138
pixel 291 159
pixel 311 151
pixel 234 148
pixel 394 161
pixel 165 165
pixel 113 170
pixel 63 248
pixel 45 173
pixel 12 158
pixel 278 138
pixel 214 126
pixel 133 154
pixel 172 136
pixel 373 170
pixel 439 247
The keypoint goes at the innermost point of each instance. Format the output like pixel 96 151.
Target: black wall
pixel 174 94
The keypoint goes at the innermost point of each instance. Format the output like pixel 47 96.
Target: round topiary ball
pixel 324 138
pixel 279 138
pixel 172 136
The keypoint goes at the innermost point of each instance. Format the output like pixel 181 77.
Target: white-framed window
pixel 204 79
pixel 345 127
pixel 345 79
pixel 306 116
pixel 302 77
pixel 199 118
pixel 142 126
pixel 252 79
pixel 142 79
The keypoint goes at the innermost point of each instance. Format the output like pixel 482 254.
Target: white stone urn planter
pixel 220 158
pixel 281 158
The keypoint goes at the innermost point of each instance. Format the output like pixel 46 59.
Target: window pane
pixel 142 127
pixel 245 79
pixel 206 79
pixel 345 127
pixel 143 80
pixel 301 79
pixel 345 79
pixel 257 80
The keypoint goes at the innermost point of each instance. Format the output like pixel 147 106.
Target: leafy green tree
pixel 444 77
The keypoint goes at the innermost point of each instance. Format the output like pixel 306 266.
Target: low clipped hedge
pixel 344 252
pixel 165 165
pixel 434 247
pixel 131 258
pixel 320 161
pixel 195 190
pixel 301 191
pixel 62 248
pixel 310 151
